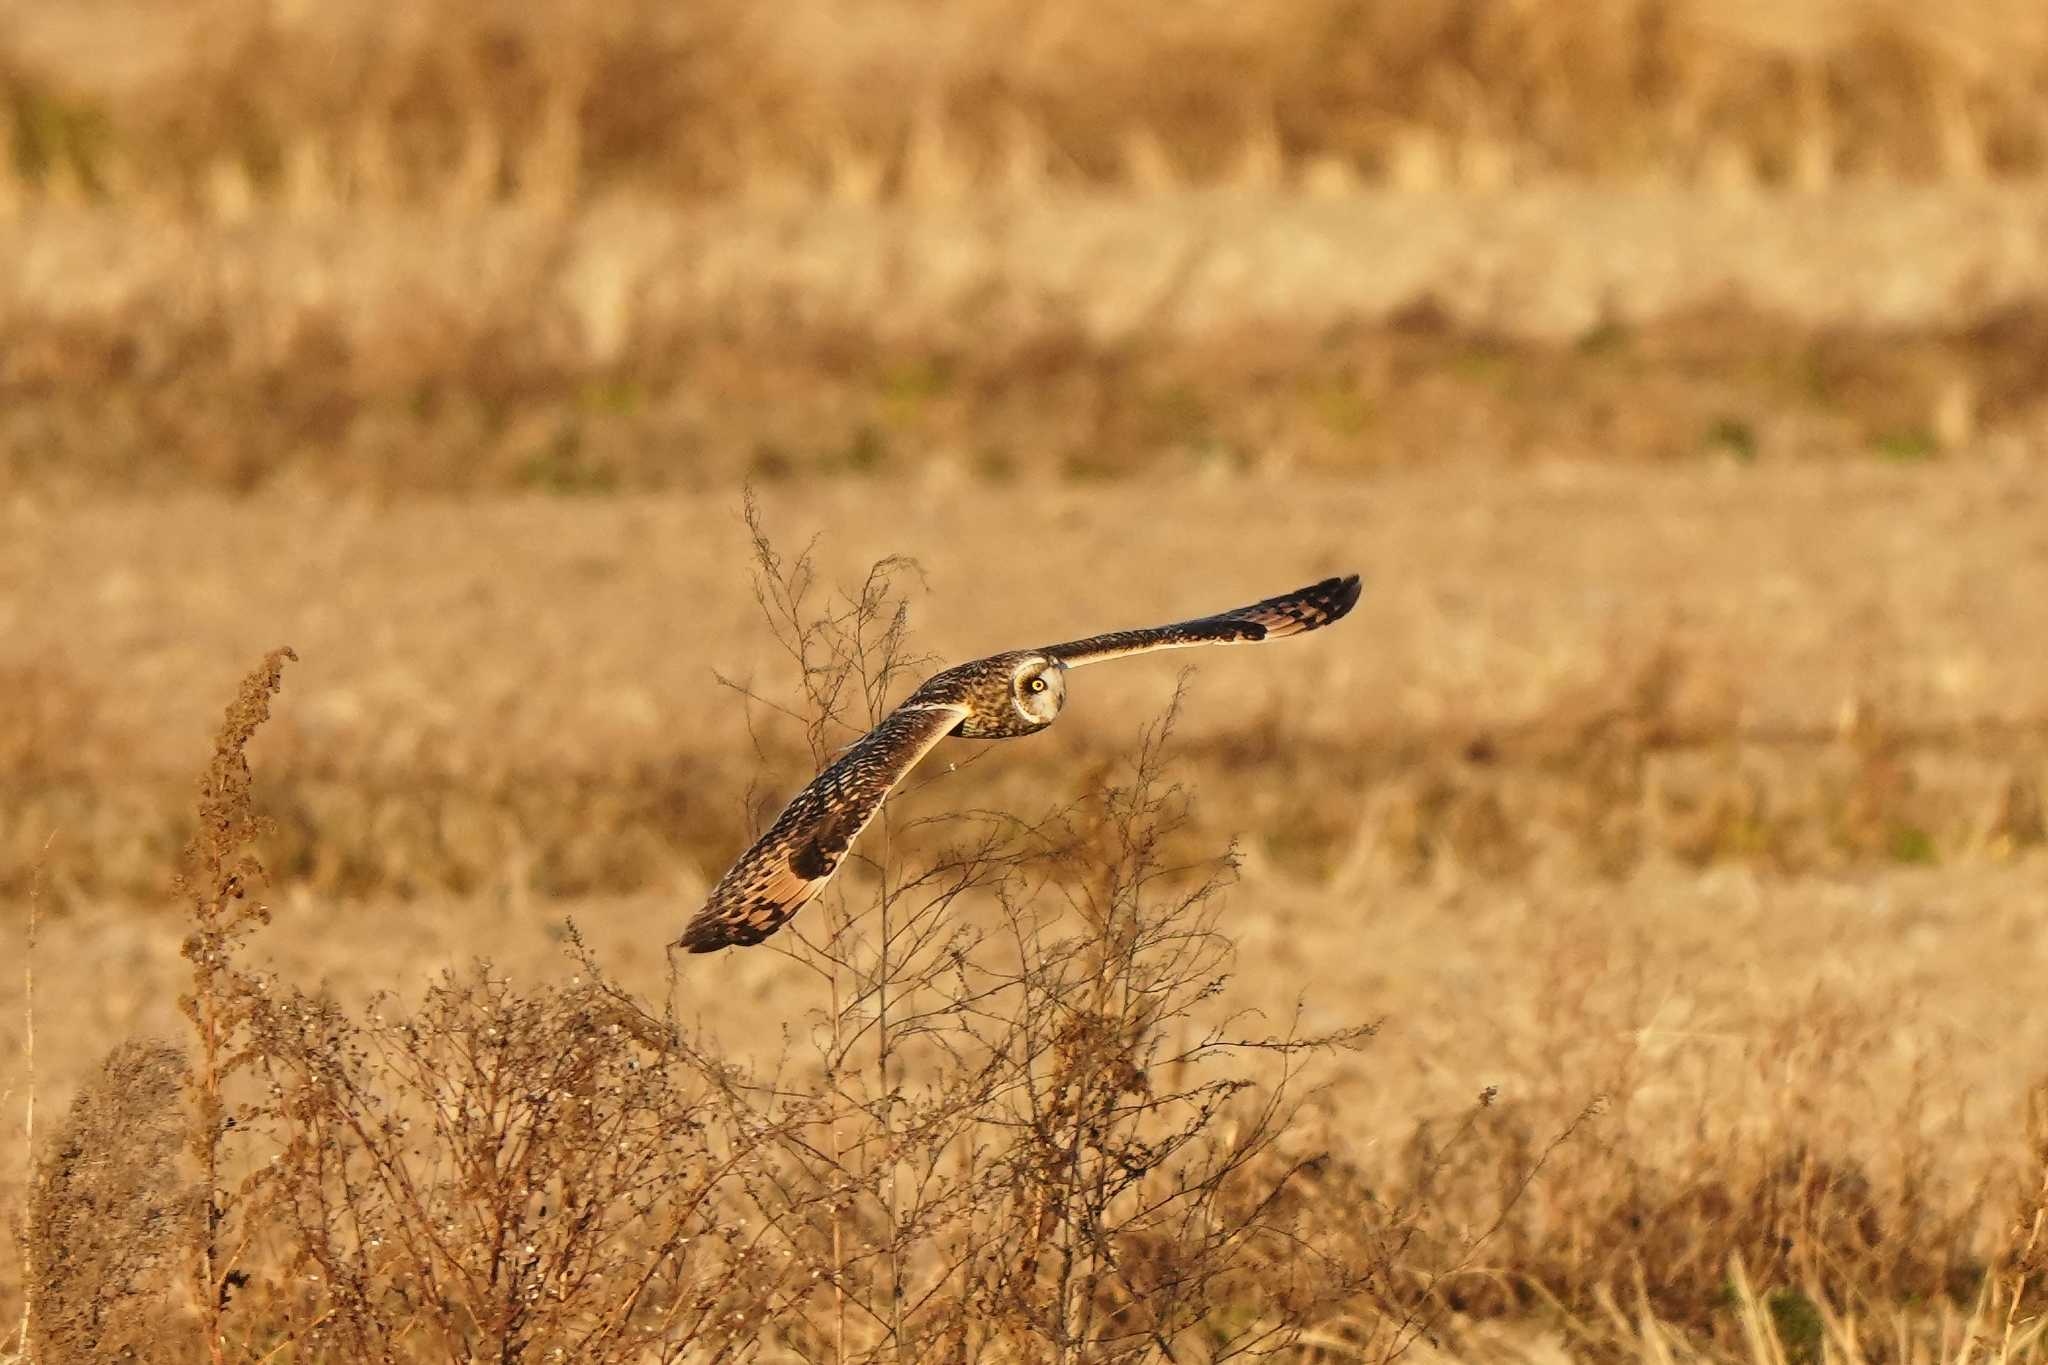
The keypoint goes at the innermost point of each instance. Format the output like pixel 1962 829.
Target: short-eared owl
pixel 1000 697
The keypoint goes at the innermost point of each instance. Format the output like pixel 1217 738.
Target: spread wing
pixel 1291 613
pixel 796 857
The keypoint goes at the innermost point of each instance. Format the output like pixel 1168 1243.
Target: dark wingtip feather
pixel 705 935
pixel 1343 593
pixel 1326 602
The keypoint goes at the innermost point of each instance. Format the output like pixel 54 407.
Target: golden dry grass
pixel 1584 665
pixel 502 248
pixel 236 102
pixel 1809 1041
pixel 1673 800
pixel 635 346
pixel 1727 1085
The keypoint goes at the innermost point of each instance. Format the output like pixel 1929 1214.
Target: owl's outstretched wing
pixel 791 863
pixel 1291 613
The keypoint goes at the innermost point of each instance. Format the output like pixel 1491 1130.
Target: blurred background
pixel 505 247
pixel 449 335
pixel 1675 371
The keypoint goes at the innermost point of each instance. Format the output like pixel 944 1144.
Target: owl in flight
pixel 1000 697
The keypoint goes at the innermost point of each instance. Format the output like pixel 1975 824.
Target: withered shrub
pixel 112 1214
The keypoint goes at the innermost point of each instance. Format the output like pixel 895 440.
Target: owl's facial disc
pixel 1040 689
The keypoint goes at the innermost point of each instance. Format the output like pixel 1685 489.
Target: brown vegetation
pixel 1004 1140
pixel 111 1214
pixel 1671 369
pixel 1021 1115
pixel 1575 671
pixel 508 248
pixel 633 347
pixel 473 104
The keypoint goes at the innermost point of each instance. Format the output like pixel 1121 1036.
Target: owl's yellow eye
pixel 1036 684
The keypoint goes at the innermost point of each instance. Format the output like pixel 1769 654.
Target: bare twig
pixel 28 1111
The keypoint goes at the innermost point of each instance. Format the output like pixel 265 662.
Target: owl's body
pixel 1003 696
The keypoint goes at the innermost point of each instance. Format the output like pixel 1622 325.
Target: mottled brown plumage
pixel 1000 697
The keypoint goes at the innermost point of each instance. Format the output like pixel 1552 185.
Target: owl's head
pixel 1038 689
pixel 1006 695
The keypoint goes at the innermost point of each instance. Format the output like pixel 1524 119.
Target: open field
pixel 1590 664
pixel 1839 1062
pixel 1619 941
pixel 220 102
pixel 633 345
pixel 1621 782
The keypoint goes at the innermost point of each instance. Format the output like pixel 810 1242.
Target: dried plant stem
pixel 892 1201
pixel 837 1212
pixel 212 1046
pixel 28 1111
pixel 2028 1259
pixel 220 873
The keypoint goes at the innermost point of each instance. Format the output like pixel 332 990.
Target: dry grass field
pixel 1621 786
pixel 223 101
pixel 1620 940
